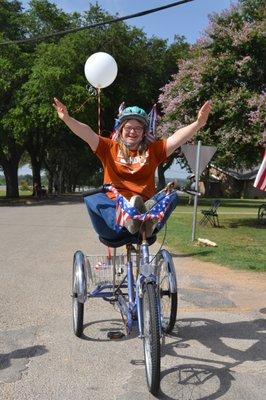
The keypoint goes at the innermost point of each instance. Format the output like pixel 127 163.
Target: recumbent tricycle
pixel 142 286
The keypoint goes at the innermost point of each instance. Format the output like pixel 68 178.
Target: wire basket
pixel 104 269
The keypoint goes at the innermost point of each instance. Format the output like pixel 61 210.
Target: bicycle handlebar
pixel 170 186
pixel 102 189
pixel 189 191
pixel 174 186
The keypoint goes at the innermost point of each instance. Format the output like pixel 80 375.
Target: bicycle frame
pixel 131 307
pixel 147 299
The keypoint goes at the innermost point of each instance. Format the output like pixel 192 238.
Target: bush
pixel 24 186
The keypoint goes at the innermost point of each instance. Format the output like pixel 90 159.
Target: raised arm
pixel 81 130
pixel 182 135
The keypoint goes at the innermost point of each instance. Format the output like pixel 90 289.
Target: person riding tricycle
pixel 129 163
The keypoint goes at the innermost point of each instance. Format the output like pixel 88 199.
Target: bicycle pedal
pixel 115 335
pixel 111 300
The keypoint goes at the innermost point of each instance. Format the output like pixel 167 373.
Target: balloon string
pixel 82 106
pixel 99 111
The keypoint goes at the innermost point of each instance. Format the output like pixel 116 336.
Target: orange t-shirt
pixel 135 176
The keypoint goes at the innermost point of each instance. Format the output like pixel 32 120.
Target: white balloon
pixel 100 70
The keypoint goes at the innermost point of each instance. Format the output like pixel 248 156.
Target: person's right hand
pixel 60 108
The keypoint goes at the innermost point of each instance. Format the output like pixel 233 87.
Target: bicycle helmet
pixel 134 112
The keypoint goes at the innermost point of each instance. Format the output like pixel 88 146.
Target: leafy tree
pixel 61 66
pixel 44 17
pixel 41 18
pixel 227 65
pixel 13 64
pixel 11 20
pixel 56 67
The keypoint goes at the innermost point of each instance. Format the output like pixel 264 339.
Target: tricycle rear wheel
pixel 79 291
pixel 78 313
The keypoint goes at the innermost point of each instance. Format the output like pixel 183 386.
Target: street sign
pixel 206 154
pixel 198 158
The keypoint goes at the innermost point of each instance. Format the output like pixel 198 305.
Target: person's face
pixel 132 132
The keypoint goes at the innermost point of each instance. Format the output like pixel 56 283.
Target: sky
pixel 188 20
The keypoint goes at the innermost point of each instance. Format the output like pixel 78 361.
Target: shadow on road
pixel 182 255
pixel 200 379
pixel 198 382
pixel 28 352
pixel 96 331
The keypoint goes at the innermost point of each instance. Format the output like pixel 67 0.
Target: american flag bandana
pixel 125 211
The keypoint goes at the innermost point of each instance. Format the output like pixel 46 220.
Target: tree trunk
pixel 50 183
pixel 36 165
pixel 52 179
pixel 11 175
pixel 10 165
pixel 36 147
pixel 61 181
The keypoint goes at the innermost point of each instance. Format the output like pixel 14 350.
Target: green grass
pixel 21 193
pixel 241 239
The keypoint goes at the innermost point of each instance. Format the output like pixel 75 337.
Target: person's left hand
pixel 203 113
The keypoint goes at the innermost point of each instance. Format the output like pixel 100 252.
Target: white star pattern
pixel 124 210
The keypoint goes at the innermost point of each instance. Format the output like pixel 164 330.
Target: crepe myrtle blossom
pixel 258 105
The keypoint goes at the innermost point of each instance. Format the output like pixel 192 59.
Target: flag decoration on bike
pixel 125 211
pixel 153 117
pixel 114 134
pixel 260 181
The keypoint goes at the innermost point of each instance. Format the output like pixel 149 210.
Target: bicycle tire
pixel 78 313
pixel 168 291
pixel 151 338
pixel 79 292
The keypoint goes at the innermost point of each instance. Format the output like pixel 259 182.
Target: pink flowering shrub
pixel 227 66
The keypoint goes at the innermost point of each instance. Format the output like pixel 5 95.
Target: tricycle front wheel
pixel 151 338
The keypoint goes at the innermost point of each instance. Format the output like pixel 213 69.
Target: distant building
pixel 233 183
